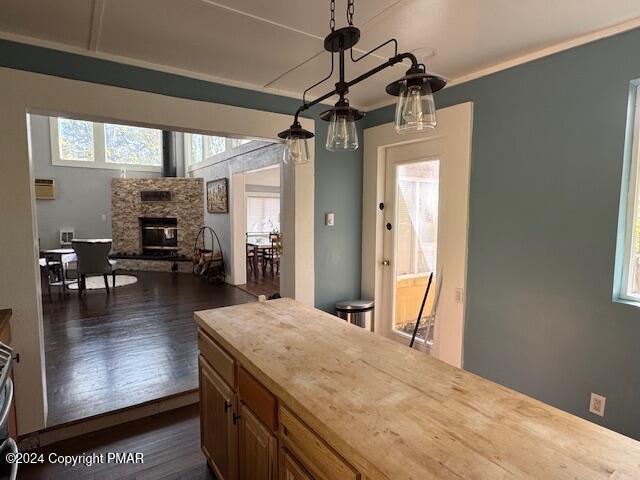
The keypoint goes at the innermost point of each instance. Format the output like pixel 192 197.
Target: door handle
pixel 227 406
pixel 386 263
pixel 236 417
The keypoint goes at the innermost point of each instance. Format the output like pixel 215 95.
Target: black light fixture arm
pixel 416 85
pixel 342 87
pixel 364 55
pixel 389 63
pixel 304 94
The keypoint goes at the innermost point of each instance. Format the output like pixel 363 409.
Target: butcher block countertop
pixel 395 413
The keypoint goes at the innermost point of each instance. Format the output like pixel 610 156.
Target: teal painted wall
pixel 338 177
pixel 548 148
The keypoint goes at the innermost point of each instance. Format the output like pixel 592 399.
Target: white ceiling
pixel 277 45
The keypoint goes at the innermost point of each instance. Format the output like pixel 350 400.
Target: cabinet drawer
pixel 217 357
pixel 258 399
pixel 313 452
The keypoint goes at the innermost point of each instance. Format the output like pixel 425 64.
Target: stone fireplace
pixel 156 217
pixel 159 236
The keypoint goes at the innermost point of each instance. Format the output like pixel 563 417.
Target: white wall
pixel 268 155
pixel 83 195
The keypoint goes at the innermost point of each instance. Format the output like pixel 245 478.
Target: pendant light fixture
pixel 296 148
pixel 342 133
pixel 415 108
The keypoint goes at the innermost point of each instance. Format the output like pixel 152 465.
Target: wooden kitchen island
pixel 293 393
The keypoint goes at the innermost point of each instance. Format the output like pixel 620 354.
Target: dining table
pixel 258 247
pixel 62 257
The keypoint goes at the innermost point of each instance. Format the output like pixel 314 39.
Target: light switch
pixel 104 217
pixel 329 219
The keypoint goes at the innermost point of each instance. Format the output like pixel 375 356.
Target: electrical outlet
pixel 596 405
pixel 459 295
pixel 103 217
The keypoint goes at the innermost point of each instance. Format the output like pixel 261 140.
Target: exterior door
pixel 258 448
pixel 425 232
pixel 219 434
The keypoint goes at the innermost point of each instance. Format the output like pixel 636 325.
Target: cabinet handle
pixel 236 417
pixel 227 406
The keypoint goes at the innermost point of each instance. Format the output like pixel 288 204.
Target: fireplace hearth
pixel 159 236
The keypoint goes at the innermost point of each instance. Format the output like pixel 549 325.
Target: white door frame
pixel 457 121
pixel 24 92
pixel 238 221
pixel 238 202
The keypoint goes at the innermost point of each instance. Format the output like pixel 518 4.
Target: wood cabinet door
pixel 290 469
pixel 258 448
pixel 218 429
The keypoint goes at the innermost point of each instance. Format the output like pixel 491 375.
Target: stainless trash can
pixel 358 312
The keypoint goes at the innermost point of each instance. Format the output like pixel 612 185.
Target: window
pixel 236 142
pixel 630 284
pixel 200 149
pixel 416 241
pixel 197 149
pixel 126 145
pixel 81 143
pixel 417 219
pixel 75 140
pixel 263 213
pixel 215 145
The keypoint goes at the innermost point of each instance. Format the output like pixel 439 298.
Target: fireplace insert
pixel 159 236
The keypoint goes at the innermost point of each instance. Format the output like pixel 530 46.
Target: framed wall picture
pixel 217 196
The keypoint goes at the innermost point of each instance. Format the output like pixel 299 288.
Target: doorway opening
pixel 118 221
pixel 263 231
pixel 21 284
pixel 415 238
pixel 415 223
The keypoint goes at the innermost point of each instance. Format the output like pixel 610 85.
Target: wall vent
pixel 45 188
pixel 66 237
pixel 155 195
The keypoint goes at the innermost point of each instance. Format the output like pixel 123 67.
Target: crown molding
pixel 149 65
pixel 479 73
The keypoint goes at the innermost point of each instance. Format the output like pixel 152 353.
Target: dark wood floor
pixel 261 284
pixel 106 352
pixel 169 441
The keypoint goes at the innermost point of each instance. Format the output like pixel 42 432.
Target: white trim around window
pixel 233 147
pixel 630 267
pixel 99 149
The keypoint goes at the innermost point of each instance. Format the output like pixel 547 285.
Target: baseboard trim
pixel 51 435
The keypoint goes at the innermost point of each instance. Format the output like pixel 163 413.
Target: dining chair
pixel 52 270
pixel 271 255
pixel 251 256
pixel 93 259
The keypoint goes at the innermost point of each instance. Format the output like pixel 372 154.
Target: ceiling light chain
pixel 415 108
pixel 332 22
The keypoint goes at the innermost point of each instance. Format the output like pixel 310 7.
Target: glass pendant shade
pixel 342 133
pixel 296 150
pixel 415 108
